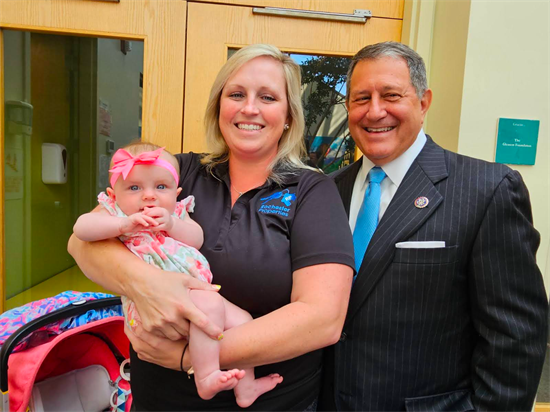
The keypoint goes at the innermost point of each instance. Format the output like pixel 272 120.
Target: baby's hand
pixel 136 222
pixel 161 216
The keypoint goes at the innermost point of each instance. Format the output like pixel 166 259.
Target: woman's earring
pixel 286 127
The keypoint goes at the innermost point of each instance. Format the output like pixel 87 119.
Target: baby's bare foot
pixel 218 381
pixel 248 391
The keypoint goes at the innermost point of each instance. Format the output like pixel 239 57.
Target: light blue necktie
pixel 367 219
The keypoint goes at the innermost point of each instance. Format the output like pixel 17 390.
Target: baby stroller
pixel 80 367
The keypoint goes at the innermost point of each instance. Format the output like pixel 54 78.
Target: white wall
pixel 506 74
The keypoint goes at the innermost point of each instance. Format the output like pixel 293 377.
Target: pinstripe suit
pixel 458 328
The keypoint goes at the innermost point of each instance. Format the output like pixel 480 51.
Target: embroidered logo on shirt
pixel 286 198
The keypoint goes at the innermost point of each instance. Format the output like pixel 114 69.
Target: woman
pixel 276 237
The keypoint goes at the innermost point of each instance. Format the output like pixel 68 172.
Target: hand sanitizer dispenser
pixel 54 163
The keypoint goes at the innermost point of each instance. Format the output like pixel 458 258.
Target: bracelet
pixel 182 355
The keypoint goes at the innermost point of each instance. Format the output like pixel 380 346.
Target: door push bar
pixel 358 16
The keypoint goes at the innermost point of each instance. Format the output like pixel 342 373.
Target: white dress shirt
pixel 395 172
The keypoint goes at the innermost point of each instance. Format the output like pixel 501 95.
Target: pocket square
pixel 420 245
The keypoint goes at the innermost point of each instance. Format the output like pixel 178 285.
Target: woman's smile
pixel 249 126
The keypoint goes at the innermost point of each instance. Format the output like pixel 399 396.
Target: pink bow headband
pixel 123 162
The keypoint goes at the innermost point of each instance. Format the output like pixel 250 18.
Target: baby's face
pixel 146 186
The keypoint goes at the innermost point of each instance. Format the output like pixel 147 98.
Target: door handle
pixel 358 16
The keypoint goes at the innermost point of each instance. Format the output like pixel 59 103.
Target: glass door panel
pixel 327 139
pixel 70 103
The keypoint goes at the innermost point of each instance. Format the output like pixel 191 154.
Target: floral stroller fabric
pixel 65 353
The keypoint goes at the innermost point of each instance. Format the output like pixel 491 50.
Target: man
pixel 448 310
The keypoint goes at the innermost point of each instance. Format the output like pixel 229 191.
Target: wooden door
pixel 215 29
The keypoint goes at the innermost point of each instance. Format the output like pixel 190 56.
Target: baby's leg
pixel 249 388
pixel 205 352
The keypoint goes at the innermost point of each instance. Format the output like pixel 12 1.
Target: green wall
pixel 53 213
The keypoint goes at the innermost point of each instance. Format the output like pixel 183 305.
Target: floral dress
pixel 160 250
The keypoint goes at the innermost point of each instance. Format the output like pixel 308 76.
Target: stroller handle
pixel 73 309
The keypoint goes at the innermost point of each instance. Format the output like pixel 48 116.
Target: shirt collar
pixel 221 171
pixel 397 168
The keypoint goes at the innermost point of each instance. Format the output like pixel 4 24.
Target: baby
pixel 141 209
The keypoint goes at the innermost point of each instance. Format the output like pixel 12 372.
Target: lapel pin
pixel 421 202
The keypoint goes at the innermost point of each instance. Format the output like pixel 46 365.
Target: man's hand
pixel 161 216
pixel 163 302
pixel 136 222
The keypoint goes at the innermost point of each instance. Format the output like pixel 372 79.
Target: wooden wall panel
pixel 379 8
pixel 214 28
pixel 159 23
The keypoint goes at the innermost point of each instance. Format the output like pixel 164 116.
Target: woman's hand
pixel 154 349
pixel 163 303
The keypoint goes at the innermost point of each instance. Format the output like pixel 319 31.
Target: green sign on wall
pixel 517 141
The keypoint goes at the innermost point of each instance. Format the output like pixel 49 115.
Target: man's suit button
pixel 343 337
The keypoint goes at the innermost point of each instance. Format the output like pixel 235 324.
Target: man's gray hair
pixel 417 69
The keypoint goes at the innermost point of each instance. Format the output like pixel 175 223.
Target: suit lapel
pixel 401 220
pixel 345 180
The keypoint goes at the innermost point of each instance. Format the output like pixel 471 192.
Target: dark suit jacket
pixel 458 328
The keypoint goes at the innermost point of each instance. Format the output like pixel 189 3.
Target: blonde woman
pixel 275 234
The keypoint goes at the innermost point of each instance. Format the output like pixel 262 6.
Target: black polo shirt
pixel 253 249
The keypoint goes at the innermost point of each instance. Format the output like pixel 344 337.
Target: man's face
pixel 385 114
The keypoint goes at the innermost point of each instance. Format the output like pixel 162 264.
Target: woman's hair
pixel 291 146
pixel 138 147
